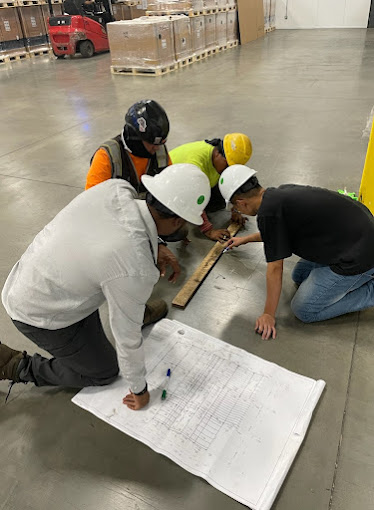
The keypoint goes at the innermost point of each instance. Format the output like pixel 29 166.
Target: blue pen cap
pixel 168 373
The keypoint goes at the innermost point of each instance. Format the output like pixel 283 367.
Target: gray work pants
pixel 82 355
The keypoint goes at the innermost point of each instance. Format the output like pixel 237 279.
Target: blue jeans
pixel 324 294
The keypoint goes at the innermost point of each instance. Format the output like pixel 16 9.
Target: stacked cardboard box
pixel 127 10
pixel 182 37
pixel 272 14
pixel 210 31
pixel 198 34
pixel 57 9
pixel 209 4
pixel 232 25
pixel 221 33
pixel 197 5
pixel 221 4
pixel 143 43
pixel 122 11
pixel 159 42
pixel 269 14
pixel 266 14
pixel 34 28
pixel 169 6
pixel 11 35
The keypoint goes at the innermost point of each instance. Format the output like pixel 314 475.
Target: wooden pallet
pixel 191 13
pixel 200 56
pixel 4 4
pixel 188 290
pixel 231 8
pixel 136 71
pixel 25 3
pixel 6 59
pixel 195 13
pixel 210 11
pixel 232 44
pixel 271 29
pixel 183 62
pixel 211 51
pixel 166 13
pixel 42 51
pixel 221 47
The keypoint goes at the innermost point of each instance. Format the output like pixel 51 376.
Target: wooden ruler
pixel 188 290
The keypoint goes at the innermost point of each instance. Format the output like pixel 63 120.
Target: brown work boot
pixel 9 363
pixel 155 310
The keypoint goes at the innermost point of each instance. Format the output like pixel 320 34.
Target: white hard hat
pixel 232 178
pixel 183 188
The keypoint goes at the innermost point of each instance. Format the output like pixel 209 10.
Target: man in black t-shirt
pixel 333 235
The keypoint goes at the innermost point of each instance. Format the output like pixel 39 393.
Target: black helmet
pixel 148 121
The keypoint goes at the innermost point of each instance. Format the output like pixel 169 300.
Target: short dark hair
pixel 249 188
pixel 162 210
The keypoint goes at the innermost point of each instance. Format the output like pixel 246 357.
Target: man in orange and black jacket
pixel 140 148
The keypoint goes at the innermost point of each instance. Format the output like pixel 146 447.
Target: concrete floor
pixel 303 97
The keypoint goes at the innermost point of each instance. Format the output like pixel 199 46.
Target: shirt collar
pixel 150 226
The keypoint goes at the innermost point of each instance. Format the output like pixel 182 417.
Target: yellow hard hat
pixel 238 148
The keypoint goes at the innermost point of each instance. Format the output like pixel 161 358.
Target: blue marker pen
pixel 164 392
pixel 228 247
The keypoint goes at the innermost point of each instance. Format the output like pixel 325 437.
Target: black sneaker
pixel 9 363
pixel 155 310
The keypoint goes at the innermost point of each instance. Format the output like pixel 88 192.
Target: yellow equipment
pixel 366 194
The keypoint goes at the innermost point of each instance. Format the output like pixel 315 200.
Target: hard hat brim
pixel 149 184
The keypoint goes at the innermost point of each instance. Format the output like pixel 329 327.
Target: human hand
pixel 265 326
pixel 236 217
pixel 234 242
pixel 167 258
pixel 136 402
pixel 220 234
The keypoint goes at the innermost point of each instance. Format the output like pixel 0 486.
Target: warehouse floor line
pixel 303 97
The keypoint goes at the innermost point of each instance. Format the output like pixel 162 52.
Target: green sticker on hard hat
pixel 221 180
pixel 201 199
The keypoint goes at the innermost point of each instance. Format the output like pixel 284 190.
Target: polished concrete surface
pixel 304 98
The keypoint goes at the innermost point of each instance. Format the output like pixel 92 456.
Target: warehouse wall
pixel 322 13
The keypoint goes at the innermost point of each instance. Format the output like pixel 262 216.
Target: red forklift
pixel 82 29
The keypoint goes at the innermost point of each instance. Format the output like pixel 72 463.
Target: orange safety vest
pixel 112 160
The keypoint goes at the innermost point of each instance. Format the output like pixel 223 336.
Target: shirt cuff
pixel 206 226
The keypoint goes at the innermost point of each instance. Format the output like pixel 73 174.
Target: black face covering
pixel 134 143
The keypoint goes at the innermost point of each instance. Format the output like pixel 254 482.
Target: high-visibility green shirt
pixel 199 154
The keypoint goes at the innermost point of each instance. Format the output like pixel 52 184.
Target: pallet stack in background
pixel 172 35
pixel 269 15
pixel 12 42
pixel 128 9
pixel 23 28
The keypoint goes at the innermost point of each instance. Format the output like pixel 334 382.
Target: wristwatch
pixel 161 241
pixel 142 392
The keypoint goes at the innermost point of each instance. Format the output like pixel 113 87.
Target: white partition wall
pixel 322 13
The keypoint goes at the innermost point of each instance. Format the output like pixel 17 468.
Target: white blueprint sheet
pixel 230 417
